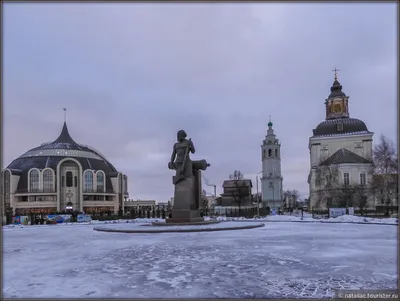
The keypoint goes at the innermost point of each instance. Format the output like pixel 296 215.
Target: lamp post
pixel 258 199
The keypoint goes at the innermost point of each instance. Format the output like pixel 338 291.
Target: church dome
pixel 48 155
pixel 336 90
pixel 340 126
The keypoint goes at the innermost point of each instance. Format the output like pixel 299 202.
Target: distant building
pixel 235 193
pixel 63 176
pixel 271 181
pixel 390 202
pixel 290 201
pixel 139 204
pixel 340 152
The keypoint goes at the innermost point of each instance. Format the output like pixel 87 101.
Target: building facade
pixel 271 181
pixel 63 176
pixel 340 154
pixel 236 193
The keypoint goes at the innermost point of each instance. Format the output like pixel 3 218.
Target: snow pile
pixel 340 219
pixel 361 219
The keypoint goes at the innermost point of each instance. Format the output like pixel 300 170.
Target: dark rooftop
pixel 343 156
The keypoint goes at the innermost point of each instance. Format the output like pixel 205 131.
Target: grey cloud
pixel 131 75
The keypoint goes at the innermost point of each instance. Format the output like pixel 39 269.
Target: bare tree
pixel 293 196
pixel 240 190
pixel 204 201
pixel 361 198
pixel 237 175
pixel 385 166
pixel 327 183
pixel 346 195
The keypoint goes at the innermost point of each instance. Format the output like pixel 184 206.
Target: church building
pixel 340 152
pixel 271 181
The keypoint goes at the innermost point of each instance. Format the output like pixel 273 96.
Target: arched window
pixel 76 181
pixel 269 152
pixel 69 179
pixel 48 180
pixel 34 180
pixel 276 152
pixel 100 182
pixel 7 187
pixel 88 184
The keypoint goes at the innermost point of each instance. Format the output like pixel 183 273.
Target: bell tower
pixel 337 103
pixel 271 181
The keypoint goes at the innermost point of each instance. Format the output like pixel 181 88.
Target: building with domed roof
pixel 342 143
pixel 63 176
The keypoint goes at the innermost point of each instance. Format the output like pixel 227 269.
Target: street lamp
pixel 258 200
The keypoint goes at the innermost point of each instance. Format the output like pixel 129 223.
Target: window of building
pixel 269 152
pixel 382 200
pixel 34 180
pixel 76 181
pixel 69 178
pixel 340 127
pixel 346 178
pixel 270 175
pixel 88 183
pixel 276 152
pixel 271 185
pixel 362 179
pixel 100 182
pixel 381 191
pixel 48 180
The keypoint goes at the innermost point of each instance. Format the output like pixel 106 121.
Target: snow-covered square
pixel 284 259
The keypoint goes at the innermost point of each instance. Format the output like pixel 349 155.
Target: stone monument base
pixel 184 216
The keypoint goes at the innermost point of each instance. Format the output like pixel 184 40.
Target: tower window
pixel 269 152
pixel 340 127
pixel 69 179
pixel 75 181
pixel 276 152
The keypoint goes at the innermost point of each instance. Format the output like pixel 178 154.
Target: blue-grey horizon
pixel 131 74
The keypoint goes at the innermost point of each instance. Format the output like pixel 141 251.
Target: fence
pixel 247 212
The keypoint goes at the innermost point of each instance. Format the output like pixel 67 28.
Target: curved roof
pixel 48 155
pixel 330 127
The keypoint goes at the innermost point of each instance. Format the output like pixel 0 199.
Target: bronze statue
pixel 180 158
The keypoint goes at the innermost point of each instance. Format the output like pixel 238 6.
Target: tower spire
pixel 65 115
pixel 270 122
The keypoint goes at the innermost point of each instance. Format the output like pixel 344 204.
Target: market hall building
pixel 62 176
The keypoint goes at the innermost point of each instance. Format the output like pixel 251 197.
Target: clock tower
pixel 271 181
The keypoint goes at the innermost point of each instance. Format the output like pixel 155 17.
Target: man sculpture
pixel 187 179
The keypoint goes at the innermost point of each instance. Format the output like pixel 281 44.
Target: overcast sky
pixel 131 75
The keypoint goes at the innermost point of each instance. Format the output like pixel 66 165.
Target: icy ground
pixel 302 260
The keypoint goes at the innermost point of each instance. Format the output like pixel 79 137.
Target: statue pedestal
pixel 185 209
